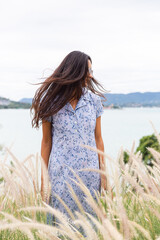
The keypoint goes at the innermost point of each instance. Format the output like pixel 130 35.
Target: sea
pixel 121 129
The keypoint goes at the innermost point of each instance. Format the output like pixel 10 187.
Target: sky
pixel 122 38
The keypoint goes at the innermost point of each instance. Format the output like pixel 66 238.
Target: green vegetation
pixel 15 105
pixel 5 103
pixel 145 142
pixel 1 147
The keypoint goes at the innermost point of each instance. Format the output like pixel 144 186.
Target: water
pixel 120 127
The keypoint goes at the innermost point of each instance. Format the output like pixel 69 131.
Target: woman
pixel 70 111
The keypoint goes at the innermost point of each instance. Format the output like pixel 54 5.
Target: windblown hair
pixel 65 84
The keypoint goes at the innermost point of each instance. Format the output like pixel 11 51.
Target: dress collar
pixel 81 103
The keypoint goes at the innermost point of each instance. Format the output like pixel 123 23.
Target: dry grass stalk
pixel 13 219
pixel 141 229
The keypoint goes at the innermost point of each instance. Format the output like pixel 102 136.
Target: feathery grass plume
pixel 124 226
pixel 63 227
pixel 47 236
pixel 109 208
pixel 13 219
pixel 102 172
pixel 141 229
pixel 155 154
pixel 105 172
pixel 33 225
pixel 18 181
pixel 66 207
pixel 141 175
pixel 106 231
pixel 86 225
pixel 89 198
pixel 75 198
pixel 46 181
pixel 155 131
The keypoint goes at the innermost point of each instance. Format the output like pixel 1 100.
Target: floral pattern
pixel 70 128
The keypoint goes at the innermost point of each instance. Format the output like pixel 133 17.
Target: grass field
pixel 129 209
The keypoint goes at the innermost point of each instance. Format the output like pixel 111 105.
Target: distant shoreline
pixel 105 107
pixel 113 101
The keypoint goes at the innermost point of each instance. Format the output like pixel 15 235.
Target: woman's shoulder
pixel 97 102
pixel 94 97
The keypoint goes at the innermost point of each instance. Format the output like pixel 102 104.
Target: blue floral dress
pixel 70 128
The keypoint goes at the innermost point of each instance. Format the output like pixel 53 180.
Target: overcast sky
pixel 122 38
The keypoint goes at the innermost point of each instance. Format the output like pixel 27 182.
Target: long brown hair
pixel 65 83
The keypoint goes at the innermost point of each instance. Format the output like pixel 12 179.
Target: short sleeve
pixel 99 106
pixel 49 119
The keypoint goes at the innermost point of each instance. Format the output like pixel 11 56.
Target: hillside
pixel 6 103
pixel 26 100
pixel 136 99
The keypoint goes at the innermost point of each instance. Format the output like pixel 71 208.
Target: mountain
pixel 136 99
pixel 26 100
pixel 4 101
pixel 7 103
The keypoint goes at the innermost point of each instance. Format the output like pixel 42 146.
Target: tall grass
pixel 128 209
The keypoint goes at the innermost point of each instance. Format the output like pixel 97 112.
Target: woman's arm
pixel 100 146
pixel 46 145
